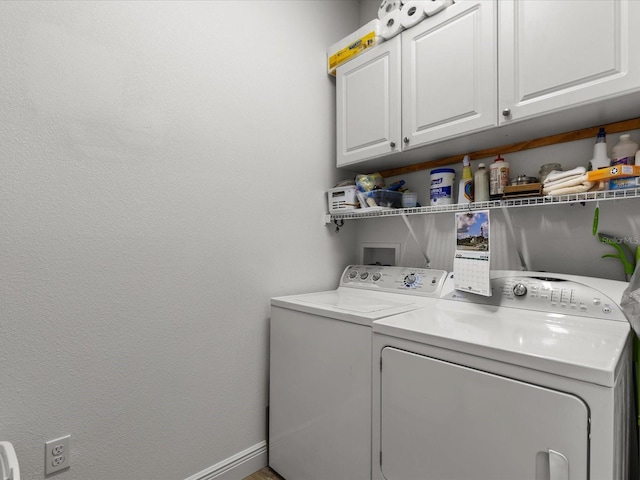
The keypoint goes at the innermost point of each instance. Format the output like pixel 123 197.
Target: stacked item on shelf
pixel 567 182
pixel 342 197
pixel 522 186
pixel 616 177
pixel 353 45
pixel 373 193
pixel 394 16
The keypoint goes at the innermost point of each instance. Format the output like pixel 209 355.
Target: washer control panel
pixel 415 281
pixel 546 294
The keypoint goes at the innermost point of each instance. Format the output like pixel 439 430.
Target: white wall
pixel 163 168
pixel 368 10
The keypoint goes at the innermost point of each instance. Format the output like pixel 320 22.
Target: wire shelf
pixel 510 203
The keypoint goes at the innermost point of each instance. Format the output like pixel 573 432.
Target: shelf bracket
pixel 507 218
pixel 413 234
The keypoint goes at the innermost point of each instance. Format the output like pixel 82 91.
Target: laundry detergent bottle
pixel 624 152
pixel 481 184
pixel 465 185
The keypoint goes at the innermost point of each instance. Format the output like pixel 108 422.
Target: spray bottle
pixel 465 186
pixel 600 159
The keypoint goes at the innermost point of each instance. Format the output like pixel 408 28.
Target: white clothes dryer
pixel 320 369
pixel 534 382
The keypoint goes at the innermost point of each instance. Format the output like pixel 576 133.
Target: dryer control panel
pixel 414 281
pixel 546 294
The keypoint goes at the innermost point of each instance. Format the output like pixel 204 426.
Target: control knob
pixel 519 289
pixel 410 280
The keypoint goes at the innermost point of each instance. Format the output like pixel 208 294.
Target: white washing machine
pixel 532 383
pixel 320 369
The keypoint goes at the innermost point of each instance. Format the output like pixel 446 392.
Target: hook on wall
pixel 338 225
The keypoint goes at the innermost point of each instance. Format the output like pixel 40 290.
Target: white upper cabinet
pixel 483 73
pixel 368 104
pixel 554 55
pixel 449 81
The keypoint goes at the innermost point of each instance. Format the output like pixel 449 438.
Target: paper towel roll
pixel 434 6
pixel 388 6
pixel 412 13
pixel 391 25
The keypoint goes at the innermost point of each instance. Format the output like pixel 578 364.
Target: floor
pixel 265 474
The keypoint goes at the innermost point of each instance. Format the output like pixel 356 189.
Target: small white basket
pixel 342 199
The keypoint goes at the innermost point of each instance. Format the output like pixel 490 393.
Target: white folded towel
pixel 565 182
pixel 574 184
pixel 585 187
pixel 555 175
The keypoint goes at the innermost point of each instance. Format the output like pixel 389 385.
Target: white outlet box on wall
pixel 379 254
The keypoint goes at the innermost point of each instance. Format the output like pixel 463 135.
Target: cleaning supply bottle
pixel 600 159
pixel 498 178
pixel 481 184
pixel 624 151
pixel 465 185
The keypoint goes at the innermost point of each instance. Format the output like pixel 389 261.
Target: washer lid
pixel 352 305
pixel 576 347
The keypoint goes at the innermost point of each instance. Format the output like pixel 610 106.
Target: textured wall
pixel 162 174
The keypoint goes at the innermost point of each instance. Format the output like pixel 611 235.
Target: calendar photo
pixel 471 262
pixel 472 231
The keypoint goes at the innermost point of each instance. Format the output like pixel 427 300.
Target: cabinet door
pixel 449 83
pixel 557 54
pixel 368 104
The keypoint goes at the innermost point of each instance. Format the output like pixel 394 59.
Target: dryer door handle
pixel 558 466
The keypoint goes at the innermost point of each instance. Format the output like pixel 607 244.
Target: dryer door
pixel 445 421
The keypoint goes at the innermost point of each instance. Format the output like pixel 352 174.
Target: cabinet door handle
pixel 392 144
pixel 405 139
pixel 506 112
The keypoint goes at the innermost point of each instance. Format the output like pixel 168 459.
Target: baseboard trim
pixel 237 466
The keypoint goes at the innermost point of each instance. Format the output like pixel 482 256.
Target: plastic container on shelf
pixel 624 152
pixel 547 168
pixel 342 199
pixel 481 184
pixel 380 198
pixel 498 178
pixel 465 186
pixel 441 191
pixel 409 199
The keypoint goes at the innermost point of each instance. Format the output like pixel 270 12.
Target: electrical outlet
pixel 57 454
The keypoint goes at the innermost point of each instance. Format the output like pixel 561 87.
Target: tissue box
pixel 619 183
pixel 353 45
pixel 342 199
